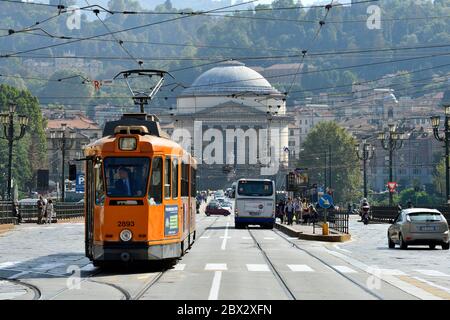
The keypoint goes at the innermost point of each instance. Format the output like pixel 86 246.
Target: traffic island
pixel 308 232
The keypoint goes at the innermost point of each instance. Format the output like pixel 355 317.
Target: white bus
pixel 255 203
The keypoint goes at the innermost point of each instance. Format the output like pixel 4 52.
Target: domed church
pixel 224 118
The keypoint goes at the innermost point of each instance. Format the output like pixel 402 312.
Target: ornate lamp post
pixel 391 141
pixel 63 142
pixel 365 152
pixel 7 120
pixel 435 122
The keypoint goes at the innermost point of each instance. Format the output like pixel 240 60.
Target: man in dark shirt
pixel 123 185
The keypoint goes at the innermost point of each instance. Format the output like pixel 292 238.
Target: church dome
pixel 230 78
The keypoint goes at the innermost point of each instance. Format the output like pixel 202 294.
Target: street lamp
pixel 7 121
pixel 365 152
pixel 391 141
pixel 63 142
pixel 435 123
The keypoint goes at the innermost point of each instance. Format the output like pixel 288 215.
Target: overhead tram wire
pixel 305 52
pixel 119 31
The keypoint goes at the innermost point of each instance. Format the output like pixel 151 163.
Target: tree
pixel 29 153
pixel 345 170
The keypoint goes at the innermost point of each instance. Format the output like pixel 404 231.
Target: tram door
pixel 89 208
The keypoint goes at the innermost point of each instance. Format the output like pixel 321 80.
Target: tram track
pixel 363 287
pixel 37 294
pixel 275 272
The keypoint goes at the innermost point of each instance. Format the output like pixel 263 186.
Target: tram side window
pixel 174 178
pixel 167 178
pixel 99 185
pixel 184 180
pixel 155 194
pixel 193 182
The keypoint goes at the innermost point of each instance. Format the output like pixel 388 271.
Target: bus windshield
pixel 126 177
pixel 255 188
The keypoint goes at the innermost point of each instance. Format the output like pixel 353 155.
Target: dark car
pixel 214 208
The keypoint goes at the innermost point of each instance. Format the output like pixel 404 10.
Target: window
pixel 291 132
pixel 425 217
pixel 193 182
pixel 175 178
pixel 306 121
pixel 255 188
pixel 184 180
pixel 300 121
pixel 126 177
pixel 291 143
pixel 155 194
pixel 167 178
pixel 99 185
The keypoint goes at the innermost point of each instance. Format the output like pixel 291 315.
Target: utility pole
pixel 365 152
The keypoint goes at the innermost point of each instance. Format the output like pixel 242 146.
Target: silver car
pixel 419 227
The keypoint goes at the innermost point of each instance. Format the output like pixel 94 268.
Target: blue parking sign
pixel 80 183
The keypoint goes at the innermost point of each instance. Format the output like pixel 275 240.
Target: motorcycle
pixel 364 212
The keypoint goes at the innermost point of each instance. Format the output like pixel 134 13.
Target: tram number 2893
pixel 125 224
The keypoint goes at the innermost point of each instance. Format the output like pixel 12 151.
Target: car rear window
pixel 425 217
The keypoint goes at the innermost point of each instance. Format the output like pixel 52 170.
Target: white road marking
pixel 89 267
pixel 258 267
pixel 344 269
pixel 269 238
pixel 300 268
pixel 216 266
pixel 179 267
pixel 432 284
pixel 390 272
pixel 432 273
pixel 48 266
pixel 339 248
pixel 214 291
pixel 246 238
pixel 293 238
pixel 224 242
pixel 8 264
pixel 204 237
pixel 396 282
pixel 223 237
pixel 18 275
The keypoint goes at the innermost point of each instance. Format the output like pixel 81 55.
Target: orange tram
pixel 140 190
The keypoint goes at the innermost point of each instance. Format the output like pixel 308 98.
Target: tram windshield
pixel 126 177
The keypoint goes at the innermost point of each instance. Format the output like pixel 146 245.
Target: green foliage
pixel 29 153
pixel 345 168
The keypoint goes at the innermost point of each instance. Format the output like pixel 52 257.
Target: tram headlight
pixel 126 235
pixel 128 144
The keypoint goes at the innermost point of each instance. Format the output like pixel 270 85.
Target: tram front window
pixel 126 177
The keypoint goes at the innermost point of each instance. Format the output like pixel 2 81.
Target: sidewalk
pixel 307 232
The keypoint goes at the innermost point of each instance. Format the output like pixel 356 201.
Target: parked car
pixel 419 227
pixel 214 208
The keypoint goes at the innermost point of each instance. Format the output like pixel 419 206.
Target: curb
pixel 334 237
pixel 6 227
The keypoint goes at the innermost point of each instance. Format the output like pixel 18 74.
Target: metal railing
pixel 30 213
pixel 388 214
pixel 338 220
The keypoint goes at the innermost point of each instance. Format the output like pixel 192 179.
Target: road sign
pixel 392 186
pixel 326 201
pixel 80 183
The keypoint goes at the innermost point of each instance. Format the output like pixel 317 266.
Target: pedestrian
pixel 280 210
pixel 40 207
pixel 50 211
pixel 289 210
pixel 17 213
pixel 297 210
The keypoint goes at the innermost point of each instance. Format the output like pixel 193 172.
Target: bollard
pixel 325 229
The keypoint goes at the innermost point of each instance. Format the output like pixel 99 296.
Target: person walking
pixel 40 206
pixel 50 211
pixel 289 210
pixel 17 213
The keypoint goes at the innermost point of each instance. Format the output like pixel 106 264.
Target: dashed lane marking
pixel 390 272
pixel 246 238
pixel 344 269
pixel 216 267
pixel 18 275
pixel 435 293
pixel 204 237
pixel 258 268
pixel 269 238
pixel 215 287
pixel 48 266
pixel 300 268
pixel 224 242
pixel 179 267
pixel 432 273
pixel 8 264
pixel 433 284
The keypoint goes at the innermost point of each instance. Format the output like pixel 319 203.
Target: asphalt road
pixel 47 262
